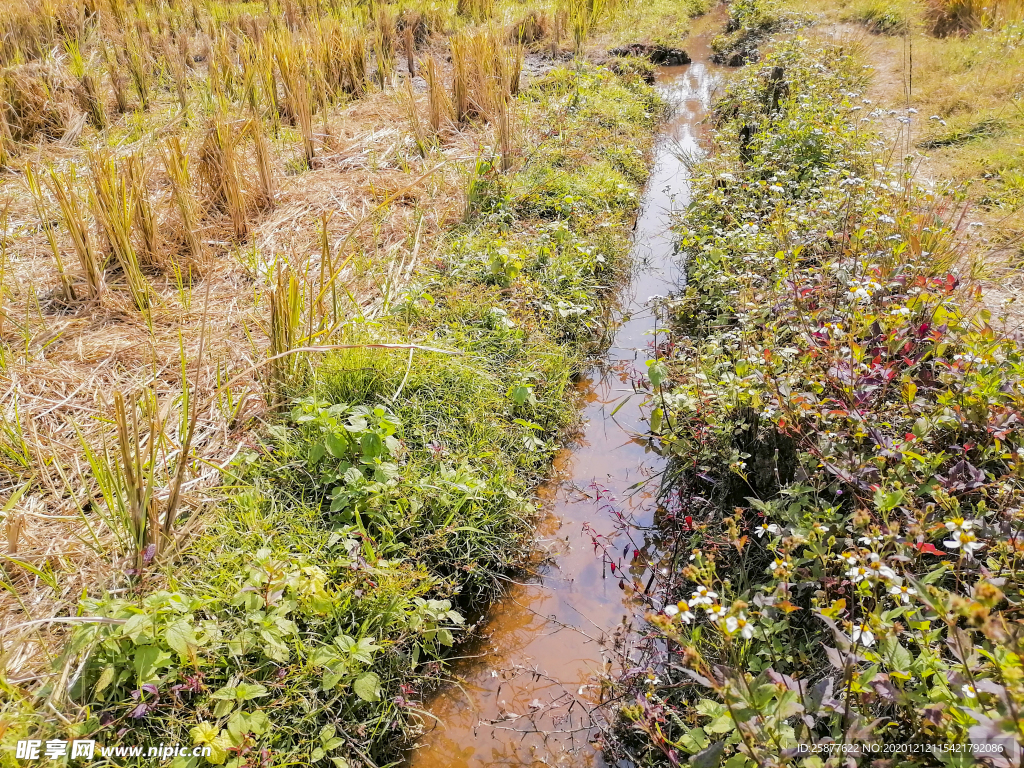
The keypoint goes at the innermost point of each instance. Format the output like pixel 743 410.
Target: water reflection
pixel 527 698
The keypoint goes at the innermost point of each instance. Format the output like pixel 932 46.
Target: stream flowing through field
pixel 526 686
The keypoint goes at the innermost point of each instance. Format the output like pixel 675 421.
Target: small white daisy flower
pixel 902 593
pixel 703 596
pixel 966 539
pixel 715 612
pixel 685 614
pixel 857 574
pixel 738 624
pixel 878 569
pixel 861 634
pixel 959 524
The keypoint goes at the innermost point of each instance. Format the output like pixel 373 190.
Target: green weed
pixel 392 497
pixel 845 467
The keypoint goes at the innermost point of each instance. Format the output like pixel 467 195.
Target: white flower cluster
pixel 733 623
pixel 962 535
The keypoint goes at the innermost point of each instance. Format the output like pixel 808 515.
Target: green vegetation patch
pixel 848 456
pixel 883 16
pixel 395 491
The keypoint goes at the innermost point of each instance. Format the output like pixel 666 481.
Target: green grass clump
pixel 964 130
pixel 883 16
pixel 395 493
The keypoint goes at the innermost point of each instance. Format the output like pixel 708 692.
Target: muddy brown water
pixel 525 689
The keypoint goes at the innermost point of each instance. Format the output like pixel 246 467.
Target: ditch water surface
pixel 525 689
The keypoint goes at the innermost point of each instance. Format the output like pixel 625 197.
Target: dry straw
pixel 67 288
pixel 441 110
pixel 118 82
pixel 292 56
pixel 176 165
pixel 179 74
pixel 410 51
pixel 264 168
pixel 146 222
pixel 220 170
pixel 88 91
pixel 418 131
pixel 63 186
pixel 384 44
pixel 286 299
pixel 113 205
pixel 477 10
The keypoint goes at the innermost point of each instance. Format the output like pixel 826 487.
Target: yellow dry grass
pixel 63 363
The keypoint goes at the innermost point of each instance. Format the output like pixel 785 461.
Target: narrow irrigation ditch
pixel 526 691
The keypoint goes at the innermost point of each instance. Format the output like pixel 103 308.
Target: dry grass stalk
pixel 581 15
pixel 6 140
pixel 190 412
pixel 76 222
pixel 327 274
pixel 181 39
pixel 441 109
pixel 133 58
pixel 88 92
pixel 179 74
pixel 477 10
pixel 511 64
pixel 326 45
pixel 221 173
pixel 113 206
pixel 137 453
pixel 264 167
pixel 291 16
pixel 37 101
pixel 418 132
pixel 118 82
pixel 4 291
pixel 92 102
pixel 36 191
pixel 492 72
pixel 504 125
pixel 460 78
pixel 263 66
pixel 556 35
pixel 531 29
pixel 251 77
pixel 146 222
pixel 410 52
pixel 213 78
pixel 176 165
pixel 291 58
pixel 221 54
pixel 947 17
pixel 353 62
pixel 384 44
pixel 119 10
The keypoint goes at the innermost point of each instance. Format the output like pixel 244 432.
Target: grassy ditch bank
pixel 960 66
pixel 396 492
pixel 844 419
